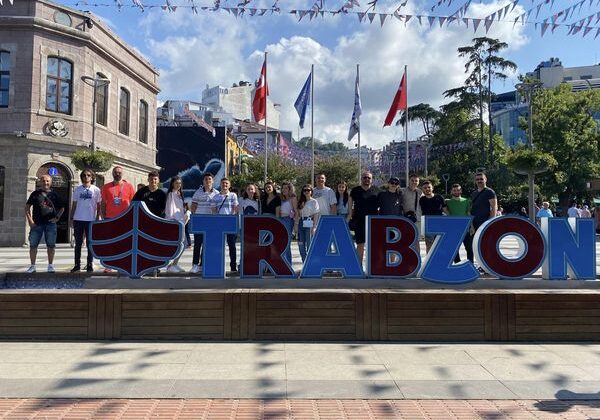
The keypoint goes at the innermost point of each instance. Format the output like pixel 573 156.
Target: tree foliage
pixel 424 113
pixel 564 126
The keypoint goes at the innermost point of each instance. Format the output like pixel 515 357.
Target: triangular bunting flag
pixel 322 13
pixel 544 27
pixel 312 15
pixel 514 5
pixel 234 10
pixel 382 18
pixel 499 15
pixel 419 19
pixel 506 9
pixel 407 18
pixel 566 15
pixel 262 12
pixel 493 16
pixel 302 13
pixel 361 16
pixel 371 16
pixel 431 19
pixel 597 17
pixel 442 19
pixel 554 27
pixel 586 31
pixel 451 19
pixel 516 19
pixel 399 16
pixel 488 25
pixel 476 23
pixel 227 9
pixel 466 22
pixel 597 33
pixel 537 12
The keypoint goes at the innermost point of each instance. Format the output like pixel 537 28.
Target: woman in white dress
pixel 175 210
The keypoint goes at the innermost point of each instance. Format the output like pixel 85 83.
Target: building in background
pixel 46 108
pixel 508 107
pixel 237 101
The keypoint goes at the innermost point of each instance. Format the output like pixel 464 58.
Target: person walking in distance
pixel 226 202
pixel 363 202
pixel 175 210
pixel 86 208
pixel 202 204
pixel 116 195
pixel 431 205
pixel 460 206
pixel 574 210
pixel 484 205
pixel 154 197
pixel 47 209
pixel 325 196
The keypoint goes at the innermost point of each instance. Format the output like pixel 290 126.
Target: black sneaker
pixel 89 268
pixel 76 269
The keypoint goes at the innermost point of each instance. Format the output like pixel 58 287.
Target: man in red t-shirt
pixel 116 195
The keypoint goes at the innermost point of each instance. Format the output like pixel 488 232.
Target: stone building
pixel 47 54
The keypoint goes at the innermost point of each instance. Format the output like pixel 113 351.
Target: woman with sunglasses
pixel 175 210
pixel 308 209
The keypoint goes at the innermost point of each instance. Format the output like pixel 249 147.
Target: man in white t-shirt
pixel 226 202
pixel 85 209
pixel 573 210
pixel 325 196
pixel 202 204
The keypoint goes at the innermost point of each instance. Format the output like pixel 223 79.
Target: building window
pixel 567 78
pixel 586 77
pixel 101 101
pixel 2 171
pixel 59 85
pixel 4 78
pixel 124 112
pixel 143 122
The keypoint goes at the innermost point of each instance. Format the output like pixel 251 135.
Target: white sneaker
pixel 195 269
pixel 172 269
pixel 51 268
pixel 31 269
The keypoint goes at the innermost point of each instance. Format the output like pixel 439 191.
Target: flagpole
pixel 358 121
pixel 312 120
pixel 406 127
pixel 266 125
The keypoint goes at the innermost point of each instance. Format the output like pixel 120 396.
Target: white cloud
pixel 218 49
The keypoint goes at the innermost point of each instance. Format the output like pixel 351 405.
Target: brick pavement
pixel 135 409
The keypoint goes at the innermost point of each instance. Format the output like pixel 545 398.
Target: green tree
pixel 278 170
pixel 424 113
pixel 482 66
pixel 564 126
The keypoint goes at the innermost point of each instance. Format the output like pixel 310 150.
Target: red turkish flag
pixel 398 104
pixel 259 104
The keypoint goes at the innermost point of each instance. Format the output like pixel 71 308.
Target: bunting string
pixel 583 26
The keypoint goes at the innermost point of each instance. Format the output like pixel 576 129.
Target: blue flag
pixel 303 100
pixel 355 122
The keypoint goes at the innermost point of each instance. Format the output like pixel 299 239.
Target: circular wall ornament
pixel 62 18
pixel 57 128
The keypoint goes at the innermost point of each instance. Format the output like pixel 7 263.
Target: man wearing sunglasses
pixel 86 208
pixel 390 201
pixel 362 202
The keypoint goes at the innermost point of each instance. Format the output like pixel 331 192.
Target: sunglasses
pixel 87 175
pixel 366 177
pixel 394 183
pixel 306 190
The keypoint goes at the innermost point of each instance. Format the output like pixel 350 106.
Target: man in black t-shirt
pixel 390 201
pixel 154 197
pixel 362 202
pixel 47 209
pixel 484 204
pixel 431 205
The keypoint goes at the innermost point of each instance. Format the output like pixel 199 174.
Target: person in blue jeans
pixel 308 217
pixel 47 209
pixel 287 212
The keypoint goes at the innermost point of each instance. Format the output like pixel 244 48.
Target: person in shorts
pixel 42 211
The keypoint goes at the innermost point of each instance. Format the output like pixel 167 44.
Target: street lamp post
pixel 240 140
pixel 446 178
pixel 527 88
pixel 94 82
pixel 424 140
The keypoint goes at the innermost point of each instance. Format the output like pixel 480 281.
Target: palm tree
pixel 483 64
pixel 424 113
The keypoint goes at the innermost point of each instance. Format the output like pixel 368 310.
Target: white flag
pixel 355 122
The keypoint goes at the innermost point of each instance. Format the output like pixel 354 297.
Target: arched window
pixel 4 78
pixel 2 173
pixel 59 85
pixel 143 122
pixel 124 112
pixel 101 101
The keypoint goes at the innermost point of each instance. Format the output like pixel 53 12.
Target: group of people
pixel 300 213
